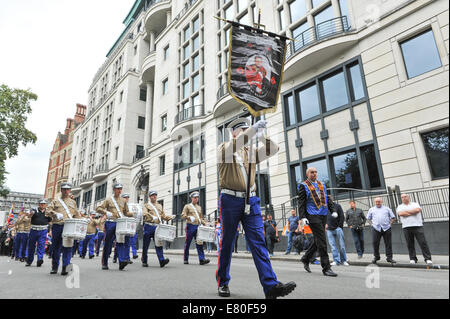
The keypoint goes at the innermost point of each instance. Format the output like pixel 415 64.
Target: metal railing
pixel 187 6
pixel 190 113
pixel 318 33
pixel 102 168
pixel 86 177
pixel 223 91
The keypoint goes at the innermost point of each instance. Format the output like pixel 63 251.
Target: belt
pixel 151 224
pixel 38 227
pixel 23 232
pixel 237 194
pixel 112 220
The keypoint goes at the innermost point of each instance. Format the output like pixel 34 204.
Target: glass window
pixel 141 122
pixel 186 51
pixel 282 19
pixel 187 34
pixel 335 91
pixel 166 53
pixel 195 43
pixel 347 171
pixel 309 103
pixel 262 189
pixel 243 19
pixel 163 123
pixel 196 24
pixel 165 86
pixel 322 171
pixel 302 38
pixel 186 90
pixel 186 70
pixel 357 84
pixel 296 177
pixel 316 3
pixel 420 54
pixel 436 148
pixel 370 161
pixel 196 62
pixel 344 10
pixel 229 13
pixel 196 83
pixel 162 165
pixel 290 110
pixel 297 9
pixel 196 151
pixel 324 26
pixel 242 5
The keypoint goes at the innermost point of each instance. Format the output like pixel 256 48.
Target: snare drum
pixel 206 234
pixel 75 228
pixel 126 226
pixel 165 232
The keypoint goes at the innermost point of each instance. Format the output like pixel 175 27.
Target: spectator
pixel 412 223
pixel 356 220
pixel 271 231
pixel 334 226
pixel 293 226
pixel 236 238
pixel 381 219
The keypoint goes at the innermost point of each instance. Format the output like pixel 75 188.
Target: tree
pixel 15 106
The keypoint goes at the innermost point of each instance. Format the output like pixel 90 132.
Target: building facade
pixel 60 156
pixel 18 199
pixel 363 100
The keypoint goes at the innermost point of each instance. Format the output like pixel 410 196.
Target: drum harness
pixel 65 208
pixel 157 214
pixel 117 207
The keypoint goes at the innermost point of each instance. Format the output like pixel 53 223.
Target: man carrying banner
pixel 114 208
pixel 60 210
pixel 233 159
pixel 38 234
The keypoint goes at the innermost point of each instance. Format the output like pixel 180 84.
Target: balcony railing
pixel 318 33
pixel 102 168
pixel 86 177
pixel 189 114
pixel 187 5
pixel 151 3
pixel 140 155
pixel 223 90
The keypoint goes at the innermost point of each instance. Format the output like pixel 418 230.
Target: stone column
pixel 148 117
pixel 169 17
pixel 152 41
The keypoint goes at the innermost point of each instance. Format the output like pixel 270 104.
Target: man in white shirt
pixel 411 218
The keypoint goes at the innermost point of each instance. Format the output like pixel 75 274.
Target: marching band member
pixel 132 242
pixel 23 225
pixel 38 234
pixel 60 210
pixel 233 165
pixel 192 213
pixel 89 239
pixel 153 214
pixel 114 207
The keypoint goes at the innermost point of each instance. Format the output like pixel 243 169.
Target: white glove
pixel 335 215
pixel 155 218
pixel 305 221
pixel 59 216
pixel 261 124
pixel 192 219
pixel 109 214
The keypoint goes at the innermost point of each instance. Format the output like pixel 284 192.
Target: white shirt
pixel 410 221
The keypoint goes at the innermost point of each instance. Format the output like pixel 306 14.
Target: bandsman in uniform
pixel 23 226
pixel 233 164
pixel 100 234
pixel 59 210
pixel 90 234
pixel 192 213
pixel 153 214
pixel 114 207
pixel 134 239
pixel 38 234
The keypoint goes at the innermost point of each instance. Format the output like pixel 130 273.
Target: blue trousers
pixel 22 248
pixel 334 237
pixel 36 240
pixel 100 239
pixel 290 234
pixel 57 248
pixel 191 233
pixel 110 229
pixel 358 238
pixel 149 233
pixel 133 241
pixel 15 251
pixel 88 241
pixel 80 247
pixel 232 211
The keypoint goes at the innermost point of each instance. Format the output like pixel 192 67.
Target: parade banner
pixel 255 69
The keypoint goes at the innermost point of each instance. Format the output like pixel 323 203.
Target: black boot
pixel 122 265
pixel 54 272
pixel 281 290
pixel 224 291
pixel 329 273
pixel 39 263
pixel 163 263
pixel 27 265
pixel 144 265
pixel 64 271
pixel 204 262
pixel 305 265
pixel 186 262
pixel 105 267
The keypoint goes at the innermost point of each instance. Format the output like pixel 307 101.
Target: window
pixel 118 124
pixel 139 151
pixel 166 53
pixel 186 70
pixel 100 192
pixel 196 24
pixel 186 33
pixel 322 171
pixel 316 3
pixel 370 162
pixel 163 123
pixel 141 122
pixel 420 54
pixel 302 37
pixel 117 153
pixel 356 81
pixel 324 26
pixel 290 110
pixel 165 85
pixel 282 19
pixel 121 97
pixel 334 91
pixel 347 171
pixel 162 165
pixel 143 94
pixel 189 153
pixel 436 148
pixel 135 49
pixel 297 9
pixel 309 102
pixel 196 83
pixel 242 5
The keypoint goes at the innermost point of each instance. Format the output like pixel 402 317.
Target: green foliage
pixel 15 106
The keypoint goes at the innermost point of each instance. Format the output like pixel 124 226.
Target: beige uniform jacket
pixel 148 213
pixel 23 224
pixel 101 225
pixel 92 226
pixel 230 173
pixel 188 211
pixel 108 206
pixel 56 207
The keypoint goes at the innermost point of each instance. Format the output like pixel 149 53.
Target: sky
pixel 54 48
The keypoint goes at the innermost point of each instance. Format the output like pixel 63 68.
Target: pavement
pixel 195 282
pixel 439 262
